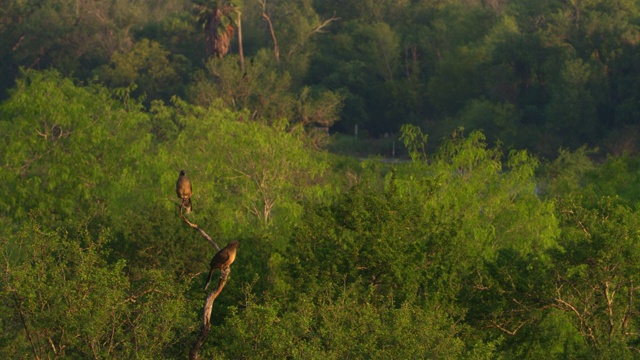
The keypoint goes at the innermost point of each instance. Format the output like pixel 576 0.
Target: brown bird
pixel 183 189
pixel 223 259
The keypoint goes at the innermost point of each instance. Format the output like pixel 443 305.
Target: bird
pixel 183 189
pixel 223 259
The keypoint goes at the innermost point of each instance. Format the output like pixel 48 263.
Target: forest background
pixel 513 232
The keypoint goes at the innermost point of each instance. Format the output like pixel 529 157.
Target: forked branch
pixel 208 305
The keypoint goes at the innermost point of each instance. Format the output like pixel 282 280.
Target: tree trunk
pixel 240 50
pixel 267 18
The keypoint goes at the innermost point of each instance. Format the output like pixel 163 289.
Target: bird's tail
pixel 208 279
pixel 186 204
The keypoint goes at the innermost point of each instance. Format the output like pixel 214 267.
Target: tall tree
pixel 217 19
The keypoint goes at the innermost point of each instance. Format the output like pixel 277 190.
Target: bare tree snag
pixel 208 305
pixel 267 18
pixel 240 49
pixel 206 316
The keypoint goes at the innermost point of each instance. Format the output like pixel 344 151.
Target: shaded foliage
pixel 464 251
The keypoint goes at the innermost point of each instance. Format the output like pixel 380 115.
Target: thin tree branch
pixel 629 310
pixel 507 331
pixel 318 29
pixel 26 328
pixel 583 323
pixel 202 232
pixel 267 18
pixel 609 298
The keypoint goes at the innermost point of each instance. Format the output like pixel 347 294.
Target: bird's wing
pixel 221 257
pixel 183 187
pixel 186 187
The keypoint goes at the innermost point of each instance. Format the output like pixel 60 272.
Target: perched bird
pixel 183 189
pixel 223 259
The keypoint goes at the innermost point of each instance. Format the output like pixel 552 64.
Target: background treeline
pixel 533 74
pixel 465 250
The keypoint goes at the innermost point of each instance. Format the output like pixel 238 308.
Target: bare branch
pixel 318 29
pixel 53 347
pixel 507 331
pixel 315 30
pixel 609 294
pixel 206 317
pixel 240 49
pixel 566 306
pixel 17 44
pixel 629 310
pixel 267 18
pixel 134 298
pixel 26 327
pixel 202 232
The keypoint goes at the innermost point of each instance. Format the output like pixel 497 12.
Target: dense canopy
pixel 486 208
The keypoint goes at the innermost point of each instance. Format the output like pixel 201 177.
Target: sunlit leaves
pixel 63 145
pixel 62 299
pixel 597 273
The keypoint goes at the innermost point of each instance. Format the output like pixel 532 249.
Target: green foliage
pixel 363 64
pixel 617 177
pixel 70 36
pixel 358 148
pixel 64 146
pixel 338 324
pixel 446 232
pixel 495 119
pixel 149 67
pixel 261 89
pixel 373 243
pixel 572 109
pixel 267 95
pixel 491 198
pixel 462 252
pixel 567 173
pixel 415 141
pixel 535 76
pixel 61 299
pixel 297 27
pixel 596 272
pixel 457 80
pixel 509 294
pixel 255 169
pixel 552 336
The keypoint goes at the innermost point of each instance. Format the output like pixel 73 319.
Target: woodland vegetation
pixel 511 231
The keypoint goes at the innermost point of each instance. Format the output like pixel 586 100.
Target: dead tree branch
pixel 566 306
pixel 26 328
pixel 206 316
pixel 507 331
pixel 208 305
pixel 267 18
pixel 323 24
pixel 202 232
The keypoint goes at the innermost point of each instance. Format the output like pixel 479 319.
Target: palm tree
pixel 217 20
